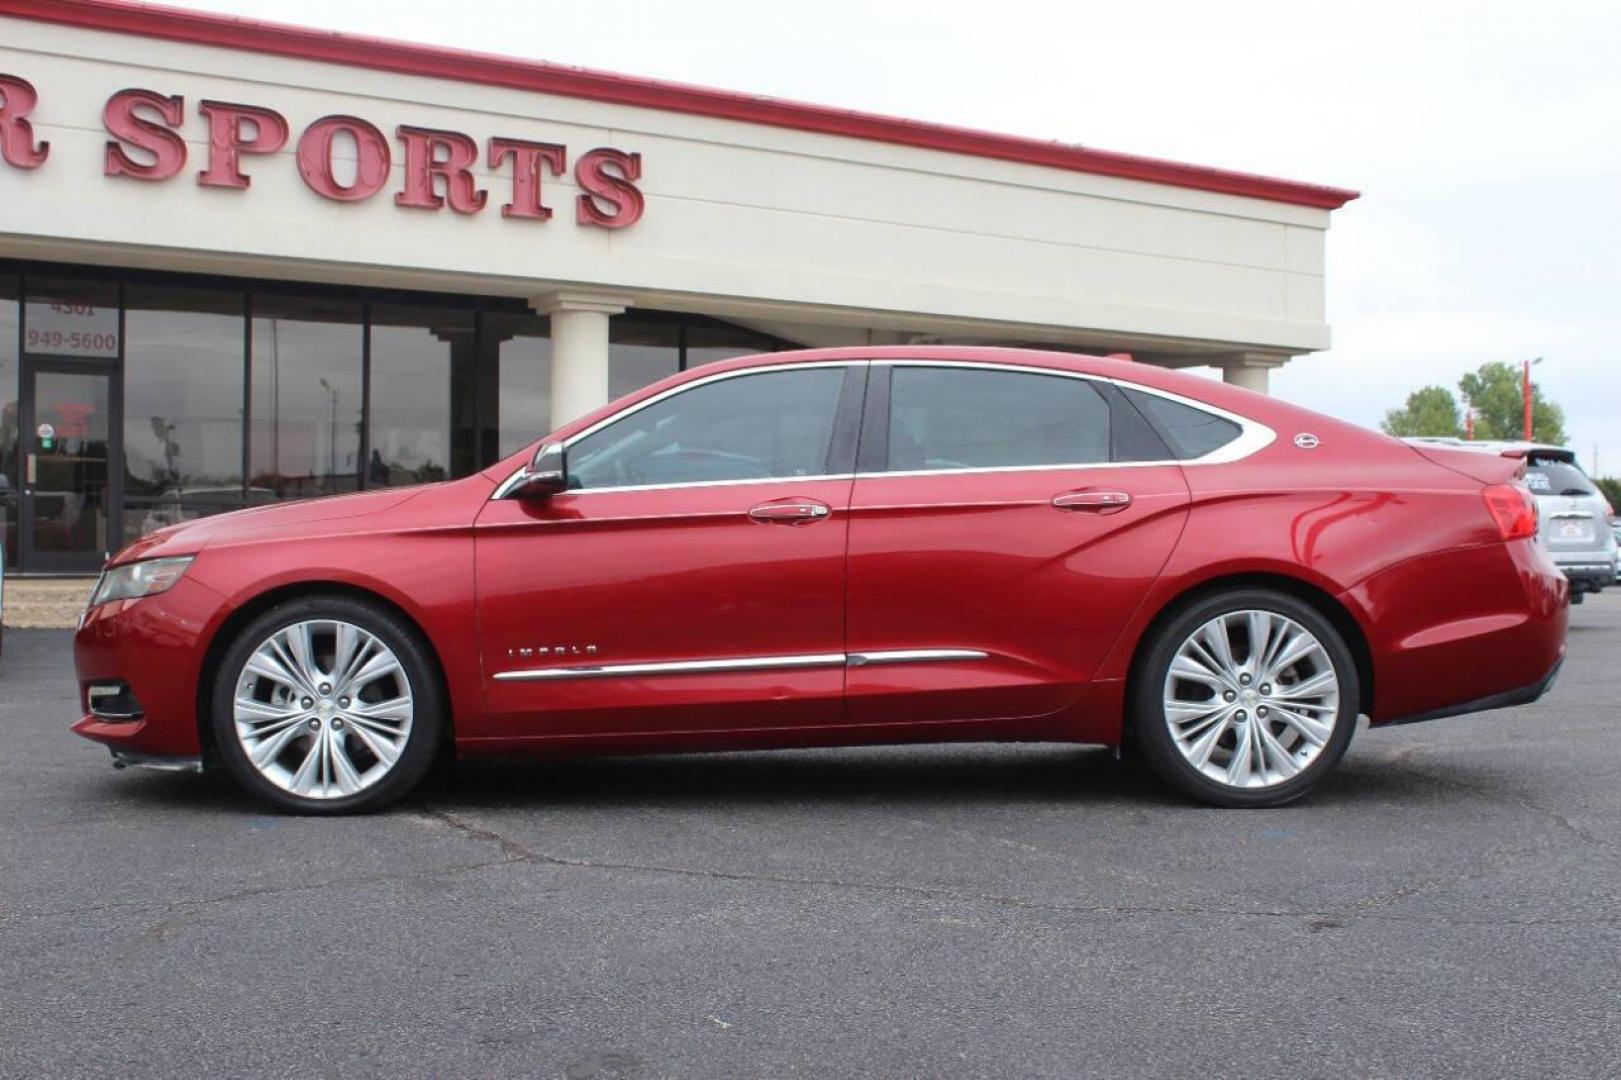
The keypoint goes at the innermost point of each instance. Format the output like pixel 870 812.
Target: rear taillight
pixel 1514 509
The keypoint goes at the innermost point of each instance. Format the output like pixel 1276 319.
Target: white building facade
pixel 242 262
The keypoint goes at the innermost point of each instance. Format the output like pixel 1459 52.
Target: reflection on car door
pixel 695 569
pixel 997 544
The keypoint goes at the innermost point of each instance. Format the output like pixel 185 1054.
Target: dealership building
pixel 243 262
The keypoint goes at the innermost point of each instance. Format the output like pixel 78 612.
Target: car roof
pixel 1114 366
pixel 992 354
pixel 1285 418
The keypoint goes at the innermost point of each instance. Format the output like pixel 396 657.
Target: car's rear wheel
pixel 1246 698
pixel 327 705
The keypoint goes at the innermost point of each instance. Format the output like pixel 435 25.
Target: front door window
pixel 772 425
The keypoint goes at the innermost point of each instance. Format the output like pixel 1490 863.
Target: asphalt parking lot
pixel 1449 904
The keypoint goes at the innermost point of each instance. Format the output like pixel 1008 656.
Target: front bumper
pixel 155 647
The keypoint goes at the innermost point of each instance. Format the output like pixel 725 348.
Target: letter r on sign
pixel 17 146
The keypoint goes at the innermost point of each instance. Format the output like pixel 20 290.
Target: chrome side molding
pixel 741 663
pixel 913 656
pixel 676 667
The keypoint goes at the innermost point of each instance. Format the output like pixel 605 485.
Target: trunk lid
pixel 1486 466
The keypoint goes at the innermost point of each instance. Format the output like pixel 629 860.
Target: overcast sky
pixel 1485 137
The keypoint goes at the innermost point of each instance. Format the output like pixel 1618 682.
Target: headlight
pixel 139 579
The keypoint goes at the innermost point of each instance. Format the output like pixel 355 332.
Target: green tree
pixel 1493 391
pixel 1430 411
pixel 1611 487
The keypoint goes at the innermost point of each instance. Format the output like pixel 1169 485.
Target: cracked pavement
pixel 1448 904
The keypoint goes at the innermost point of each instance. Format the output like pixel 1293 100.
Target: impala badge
pixel 1306 441
pixel 524 652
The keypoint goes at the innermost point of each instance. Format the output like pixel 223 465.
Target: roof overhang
pixel 202 28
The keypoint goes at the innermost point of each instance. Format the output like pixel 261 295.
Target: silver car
pixel 1577 524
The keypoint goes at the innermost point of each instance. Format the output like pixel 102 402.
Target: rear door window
pixel 970 418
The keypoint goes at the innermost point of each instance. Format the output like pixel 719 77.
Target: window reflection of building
pixel 422 362
pixel 643 347
pixel 306 395
pixel 517 350
pixel 183 401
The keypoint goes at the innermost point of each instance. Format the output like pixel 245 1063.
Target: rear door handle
pixel 1094 502
pixel 790 513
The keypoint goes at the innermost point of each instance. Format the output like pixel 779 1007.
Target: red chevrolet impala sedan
pixel 843 546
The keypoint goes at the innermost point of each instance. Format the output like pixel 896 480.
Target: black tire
pixel 428 721
pixel 1152 730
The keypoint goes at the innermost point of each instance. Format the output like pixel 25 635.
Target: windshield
pixel 1549 476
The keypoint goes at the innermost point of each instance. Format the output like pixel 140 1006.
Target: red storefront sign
pixel 437 164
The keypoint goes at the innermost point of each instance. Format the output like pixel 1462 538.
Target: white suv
pixel 1576 520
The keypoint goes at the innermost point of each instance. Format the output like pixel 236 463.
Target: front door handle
pixel 790 513
pixel 1094 502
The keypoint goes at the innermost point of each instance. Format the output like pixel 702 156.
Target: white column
pixel 1249 369
pixel 579 349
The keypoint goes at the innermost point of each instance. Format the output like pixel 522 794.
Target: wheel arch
pixel 232 625
pixel 1325 603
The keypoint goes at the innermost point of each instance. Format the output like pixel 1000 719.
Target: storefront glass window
pixel 71 319
pixel 306 405
pixel 341 393
pixel 643 349
pixel 708 342
pixel 183 371
pixel 67 433
pixel 422 361
pixel 10 480
pixel 521 346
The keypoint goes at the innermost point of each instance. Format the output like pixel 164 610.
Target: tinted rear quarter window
pixel 967 418
pixel 1191 433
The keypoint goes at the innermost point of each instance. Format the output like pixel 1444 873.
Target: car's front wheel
pixel 1246 698
pixel 327 705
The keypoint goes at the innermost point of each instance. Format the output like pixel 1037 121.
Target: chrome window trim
pixel 504 489
pixel 507 485
pixel 1253 435
pixel 984 469
pixel 740 663
pixel 510 482
pixel 913 656
pixel 710 484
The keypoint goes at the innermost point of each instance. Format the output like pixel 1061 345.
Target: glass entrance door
pixel 68 466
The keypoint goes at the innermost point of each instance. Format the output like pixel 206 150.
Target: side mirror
pixel 547 473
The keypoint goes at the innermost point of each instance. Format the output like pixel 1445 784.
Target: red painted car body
pixel 1050 609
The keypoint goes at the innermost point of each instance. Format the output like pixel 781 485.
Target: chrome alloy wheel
pixel 323 709
pixel 1251 699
